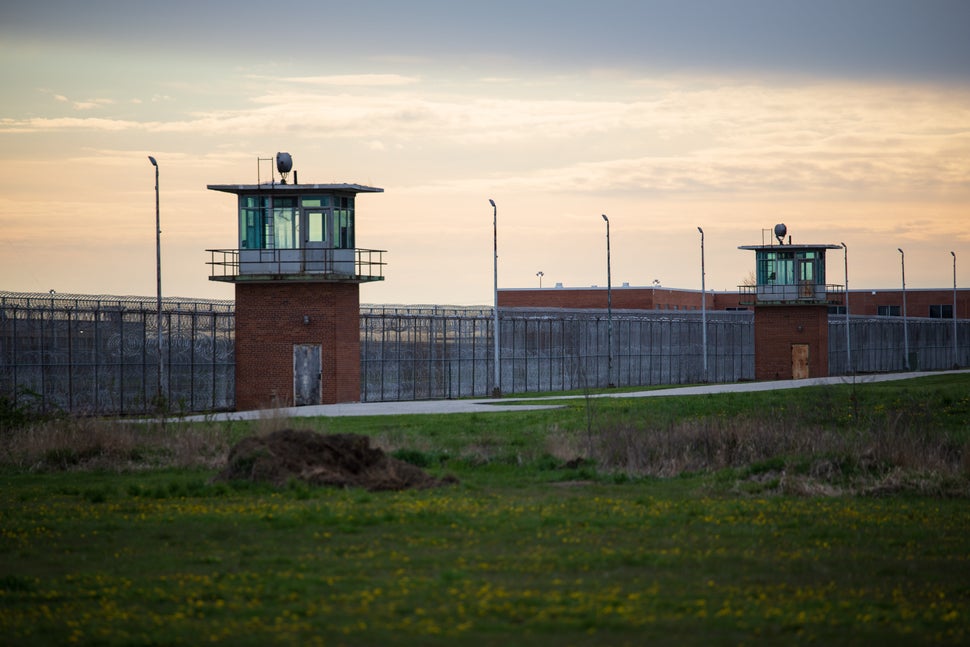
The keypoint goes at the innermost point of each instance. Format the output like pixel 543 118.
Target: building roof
pixel 278 188
pixel 790 248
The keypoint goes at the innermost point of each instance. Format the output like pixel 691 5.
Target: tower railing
pixel 306 264
pixel 805 292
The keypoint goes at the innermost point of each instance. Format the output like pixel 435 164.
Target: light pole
pixel 609 309
pixel 158 285
pixel 703 307
pixel 956 357
pixel 902 260
pixel 497 388
pixel 540 274
pixel 848 344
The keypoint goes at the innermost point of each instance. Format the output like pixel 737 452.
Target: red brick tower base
pixel 274 319
pixel 791 342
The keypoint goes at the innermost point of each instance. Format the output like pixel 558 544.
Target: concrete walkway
pixel 518 404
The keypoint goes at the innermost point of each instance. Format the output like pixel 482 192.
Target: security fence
pixel 100 354
pixel 879 344
pixel 432 352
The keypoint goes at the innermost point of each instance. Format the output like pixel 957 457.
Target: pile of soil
pixel 339 460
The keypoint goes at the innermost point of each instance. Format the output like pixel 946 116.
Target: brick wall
pixel 270 322
pixel 624 298
pixel 728 301
pixel 861 302
pixel 918 301
pixel 777 328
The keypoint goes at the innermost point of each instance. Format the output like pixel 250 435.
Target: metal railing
pixel 328 264
pixel 805 292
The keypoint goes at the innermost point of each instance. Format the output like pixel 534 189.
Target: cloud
pixel 498 79
pixel 87 104
pixel 55 124
pixel 353 80
pixel 690 137
pixel 91 104
pixel 896 175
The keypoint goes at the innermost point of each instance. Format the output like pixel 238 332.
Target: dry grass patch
pixel 774 454
pixel 91 444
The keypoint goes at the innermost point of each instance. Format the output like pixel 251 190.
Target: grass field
pixel 825 515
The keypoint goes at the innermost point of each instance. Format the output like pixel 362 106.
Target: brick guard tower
pixel 297 274
pixel 791 303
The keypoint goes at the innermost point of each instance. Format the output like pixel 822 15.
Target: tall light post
pixel 158 285
pixel 848 344
pixel 609 309
pixel 956 357
pixel 902 260
pixel 497 388
pixel 540 274
pixel 703 307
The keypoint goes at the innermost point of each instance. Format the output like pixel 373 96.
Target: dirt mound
pixel 341 460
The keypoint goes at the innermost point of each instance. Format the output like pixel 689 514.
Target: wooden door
pixel 799 361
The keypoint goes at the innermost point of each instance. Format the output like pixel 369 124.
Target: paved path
pixel 518 404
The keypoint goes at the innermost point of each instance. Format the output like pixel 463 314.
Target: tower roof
pixel 277 188
pixel 792 248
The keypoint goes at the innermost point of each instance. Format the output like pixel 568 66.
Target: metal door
pixel 318 244
pixel 799 361
pixel 307 373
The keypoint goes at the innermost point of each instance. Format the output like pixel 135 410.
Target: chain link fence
pixel 99 354
pixel 431 352
pixel 878 344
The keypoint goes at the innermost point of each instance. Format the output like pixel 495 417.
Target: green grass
pixel 166 560
pixel 529 548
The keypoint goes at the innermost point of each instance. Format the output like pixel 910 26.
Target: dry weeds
pixel 895 452
pixel 777 455
pixel 91 444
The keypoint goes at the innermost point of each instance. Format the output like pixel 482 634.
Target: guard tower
pixel 791 302
pixel 297 273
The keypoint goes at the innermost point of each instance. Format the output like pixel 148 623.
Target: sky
pixel 847 120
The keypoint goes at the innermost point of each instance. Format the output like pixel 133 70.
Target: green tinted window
pixel 316 226
pixel 343 223
pixel 316 201
pixel 252 222
pixel 286 228
pixel 775 268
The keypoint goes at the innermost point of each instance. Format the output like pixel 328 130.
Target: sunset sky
pixel 848 120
